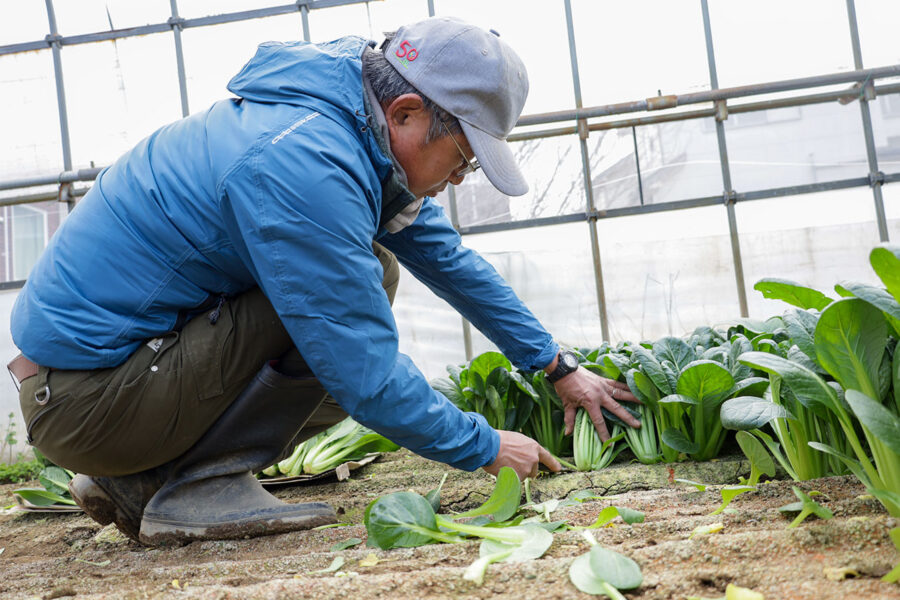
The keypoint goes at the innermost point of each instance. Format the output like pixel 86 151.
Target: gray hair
pixel 389 85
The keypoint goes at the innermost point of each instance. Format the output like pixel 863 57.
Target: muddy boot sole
pixel 157 531
pixel 101 507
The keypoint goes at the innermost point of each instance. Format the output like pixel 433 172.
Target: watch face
pixel 570 360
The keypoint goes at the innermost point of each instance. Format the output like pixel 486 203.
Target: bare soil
pixel 68 555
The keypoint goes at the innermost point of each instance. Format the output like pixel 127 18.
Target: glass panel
pixel 29 230
pixel 667 273
pixel 213 55
pixel 877 22
pixel 551 270
pixel 30 118
pixel 633 50
pixel 24 21
pixel 430 329
pixel 552 167
pixel 208 8
pixel 536 30
pixel 814 239
pixel 9 396
pixel 679 160
pixel 613 168
pixel 891 195
pixel 389 16
pixel 885 112
pixel 794 146
pixel 770 40
pixel 123 91
pixel 91 16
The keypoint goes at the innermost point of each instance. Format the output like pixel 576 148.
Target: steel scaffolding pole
pixel 728 194
pixel 177 22
pixel 588 184
pixel 867 93
pixel 54 40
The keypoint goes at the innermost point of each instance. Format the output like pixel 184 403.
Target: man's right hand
pixel 522 454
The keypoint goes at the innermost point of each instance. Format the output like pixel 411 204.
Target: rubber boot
pixel 212 493
pixel 120 500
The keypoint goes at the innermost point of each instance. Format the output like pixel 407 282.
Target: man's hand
pixel 522 454
pixel 587 390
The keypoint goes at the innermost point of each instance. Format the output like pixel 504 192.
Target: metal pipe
pixel 54 41
pixel 588 180
pixel 176 23
pixel 114 34
pixel 304 18
pixel 728 194
pixel 672 101
pixel 637 165
pixel 40 197
pixel 626 211
pixel 871 154
pixel 64 177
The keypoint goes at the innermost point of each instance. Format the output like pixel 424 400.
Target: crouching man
pixel 224 289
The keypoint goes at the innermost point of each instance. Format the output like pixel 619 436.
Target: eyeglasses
pixel 471 165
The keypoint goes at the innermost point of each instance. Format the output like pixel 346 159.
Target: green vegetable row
pixel 817 387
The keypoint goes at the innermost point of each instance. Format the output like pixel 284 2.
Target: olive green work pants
pixel 153 407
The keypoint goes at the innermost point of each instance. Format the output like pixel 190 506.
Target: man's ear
pixel 402 110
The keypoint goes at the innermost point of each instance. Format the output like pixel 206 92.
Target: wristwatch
pixel 566 364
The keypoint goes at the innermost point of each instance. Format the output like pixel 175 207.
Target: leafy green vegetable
pixel 792 293
pixel 760 461
pixel 504 500
pixel 434 496
pixel 534 542
pixel 56 488
pixel 590 453
pixel 348 543
pixel 729 493
pixel 604 572
pixel 807 506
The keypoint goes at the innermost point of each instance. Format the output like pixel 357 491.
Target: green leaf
pixel 39 497
pixel 348 543
pixel 678 399
pixel 504 500
pixel 706 381
pixel 336 564
pixel 616 569
pixel 729 493
pixel 810 389
pixel 701 487
pixel 807 506
pixel 850 341
pixel 643 388
pixel 676 439
pixel 851 463
pixel 877 297
pixel 760 460
pixel 652 368
pixel 609 513
pixel 792 293
pixel 749 412
pixel 801 326
pixel 452 391
pixel 675 351
pixel 484 364
pixel 885 260
pixel 434 496
pixel 883 424
pixel 56 480
pixel 750 386
pixel 533 546
pixel 400 520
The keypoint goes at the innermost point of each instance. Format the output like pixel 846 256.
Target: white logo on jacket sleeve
pixel 297 124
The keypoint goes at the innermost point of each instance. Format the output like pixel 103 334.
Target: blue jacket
pixel 279 188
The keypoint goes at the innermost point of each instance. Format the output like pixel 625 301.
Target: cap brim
pixel 497 160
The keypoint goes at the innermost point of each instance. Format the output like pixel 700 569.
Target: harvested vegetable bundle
pixel 348 440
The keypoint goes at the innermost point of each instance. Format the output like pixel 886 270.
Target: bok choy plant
pixel 345 441
pixel 590 453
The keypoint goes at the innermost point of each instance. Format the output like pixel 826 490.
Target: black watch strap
pixel 566 363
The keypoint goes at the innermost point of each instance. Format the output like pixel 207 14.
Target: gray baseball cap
pixel 476 77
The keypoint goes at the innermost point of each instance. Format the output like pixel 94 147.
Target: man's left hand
pixel 583 389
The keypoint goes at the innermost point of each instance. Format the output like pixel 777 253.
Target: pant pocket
pixel 203 341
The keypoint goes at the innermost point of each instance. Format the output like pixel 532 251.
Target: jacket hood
pixel 293 72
